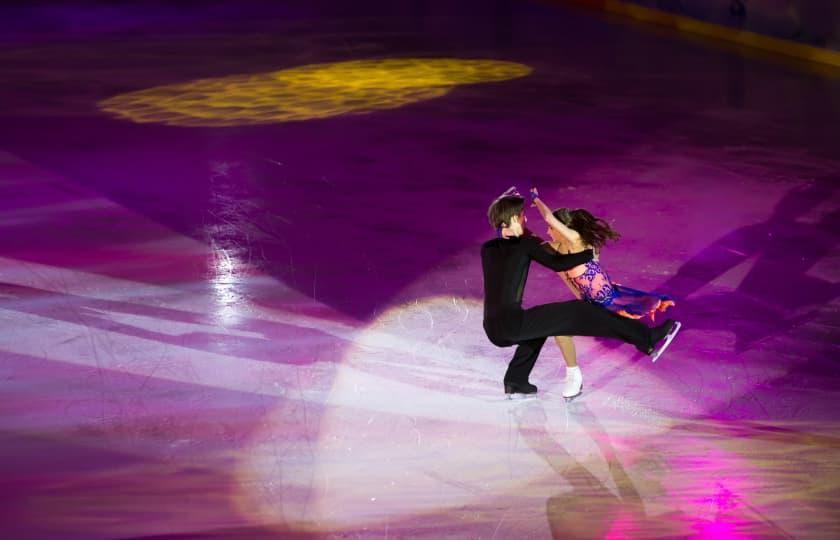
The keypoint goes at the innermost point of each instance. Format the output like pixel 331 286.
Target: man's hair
pixel 503 209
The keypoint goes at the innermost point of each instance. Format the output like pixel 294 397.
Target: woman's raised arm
pixel 570 234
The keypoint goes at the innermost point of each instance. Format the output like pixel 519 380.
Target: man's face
pixel 517 224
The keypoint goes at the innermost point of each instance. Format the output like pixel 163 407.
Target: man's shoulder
pixel 515 241
pixel 529 242
pixel 493 242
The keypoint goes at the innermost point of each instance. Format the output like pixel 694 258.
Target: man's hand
pixel 511 192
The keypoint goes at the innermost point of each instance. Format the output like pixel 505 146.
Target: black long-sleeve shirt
pixel 505 262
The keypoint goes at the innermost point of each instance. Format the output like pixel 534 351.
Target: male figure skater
pixel 505 261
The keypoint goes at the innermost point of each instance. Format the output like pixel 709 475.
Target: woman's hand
pixel 570 234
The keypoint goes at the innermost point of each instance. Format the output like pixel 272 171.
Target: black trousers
pixel 573 318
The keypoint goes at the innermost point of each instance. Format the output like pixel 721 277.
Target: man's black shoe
pixel 658 333
pixel 519 388
pixel 673 328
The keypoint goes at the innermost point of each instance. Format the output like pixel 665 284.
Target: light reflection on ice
pixel 225 282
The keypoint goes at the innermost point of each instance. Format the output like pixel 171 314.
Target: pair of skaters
pixel 603 308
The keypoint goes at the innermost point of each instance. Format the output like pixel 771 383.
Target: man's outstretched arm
pixel 556 261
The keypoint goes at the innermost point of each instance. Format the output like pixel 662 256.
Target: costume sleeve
pixel 555 261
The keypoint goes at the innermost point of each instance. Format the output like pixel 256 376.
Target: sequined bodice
pixel 594 284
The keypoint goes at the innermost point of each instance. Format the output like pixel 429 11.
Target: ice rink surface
pixel 241 297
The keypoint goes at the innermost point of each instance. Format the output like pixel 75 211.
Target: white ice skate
pixel 573 386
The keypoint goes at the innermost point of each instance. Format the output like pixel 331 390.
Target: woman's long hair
pixel 593 231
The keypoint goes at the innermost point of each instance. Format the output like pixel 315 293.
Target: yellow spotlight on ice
pixel 306 92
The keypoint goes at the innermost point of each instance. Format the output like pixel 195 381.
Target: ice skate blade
pixel 668 339
pixel 520 397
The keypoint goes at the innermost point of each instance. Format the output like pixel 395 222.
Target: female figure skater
pixel 573 231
